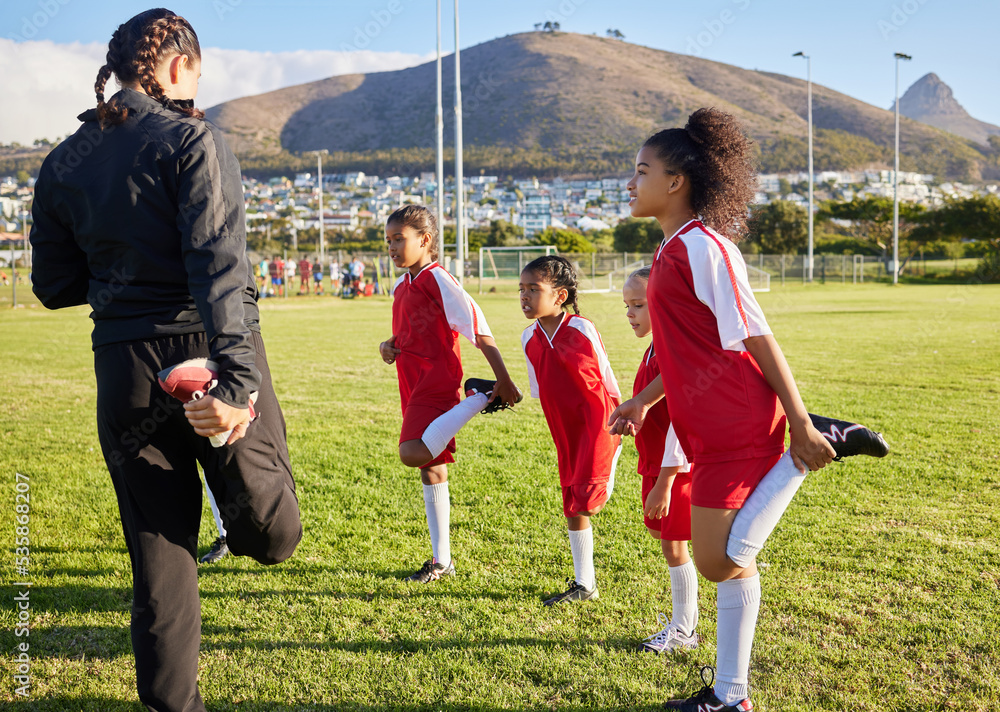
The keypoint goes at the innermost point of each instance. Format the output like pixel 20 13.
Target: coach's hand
pixel 210 416
pixel 387 349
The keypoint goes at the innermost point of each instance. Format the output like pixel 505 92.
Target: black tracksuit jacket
pixel 144 221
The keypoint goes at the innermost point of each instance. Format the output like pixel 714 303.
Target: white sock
pixel 215 510
pixel 581 543
pixel 759 516
pixel 684 596
pixel 739 603
pixel 440 432
pixel 437 504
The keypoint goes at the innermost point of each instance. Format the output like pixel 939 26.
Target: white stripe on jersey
pixel 460 310
pixel 587 328
pixel 673 453
pixel 525 338
pixel 715 286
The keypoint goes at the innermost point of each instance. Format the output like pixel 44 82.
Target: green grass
pixel 881 585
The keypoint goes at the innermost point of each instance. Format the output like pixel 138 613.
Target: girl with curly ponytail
pixel 140 215
pixel 570 374
pixel 728 388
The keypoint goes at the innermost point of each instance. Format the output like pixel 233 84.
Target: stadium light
pixel 439 127
pixel 459 173
pixel 809 103
pixel 895 182
pixel 319 186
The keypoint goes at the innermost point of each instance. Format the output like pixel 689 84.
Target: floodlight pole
pixel 459 173
pixel 439 127
pixel 809 102
pixel 895 182
pixel 319 186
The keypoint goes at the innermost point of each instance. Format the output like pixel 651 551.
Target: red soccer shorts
pixel 726 485
pixel 676 526
pixel 584 498
pixel 416 418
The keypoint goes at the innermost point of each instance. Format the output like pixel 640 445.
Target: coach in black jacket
pixel 140 214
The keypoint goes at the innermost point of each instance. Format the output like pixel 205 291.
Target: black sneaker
pixel 850 438
pixel 575 592
pixel 219 550
pixel 706 701
pixel 484 386
pixel 431 571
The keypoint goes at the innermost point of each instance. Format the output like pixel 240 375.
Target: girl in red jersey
pixel 666 486
pixel 429 310
pixel 728 387
pixel 569 371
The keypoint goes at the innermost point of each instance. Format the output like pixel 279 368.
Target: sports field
pixel 881 585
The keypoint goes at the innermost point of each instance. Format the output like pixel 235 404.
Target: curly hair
pixel 134 52
pixel 558 272
pixel 717 156
pixel 421 219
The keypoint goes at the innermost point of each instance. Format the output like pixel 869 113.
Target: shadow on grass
pixel 111 642
pixel 98 704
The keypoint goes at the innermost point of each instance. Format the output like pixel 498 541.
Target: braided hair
pixel 134 53
pixel 559 273
pixel 716 155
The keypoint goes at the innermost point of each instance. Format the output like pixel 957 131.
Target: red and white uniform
pixel 571 375
pixel 429 312
pixel 702 308
pixel 658 447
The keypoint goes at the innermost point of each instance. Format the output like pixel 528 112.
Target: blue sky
pixel 851 42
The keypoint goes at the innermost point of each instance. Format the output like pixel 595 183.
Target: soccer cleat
pixel 192 380
pixel 484 386
pixel 575 592
pixel 431 571
pixel 850 438
pixel 669 639
pixel 706 701
pixel 218 551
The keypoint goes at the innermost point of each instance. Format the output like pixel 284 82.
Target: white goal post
pixel 507 262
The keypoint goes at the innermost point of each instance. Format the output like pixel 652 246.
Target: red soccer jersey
pixel 571 375
pixel 656 442
pixel 429 311
pixel 702 308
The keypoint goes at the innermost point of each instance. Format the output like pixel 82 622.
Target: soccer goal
pixel 502 265
pixel 760 281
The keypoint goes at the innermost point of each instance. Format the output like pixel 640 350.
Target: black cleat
pixel 706 701
pixel 484 386
pixel 575 592
pixel 218 551
pixel 850 438
pixel 431 571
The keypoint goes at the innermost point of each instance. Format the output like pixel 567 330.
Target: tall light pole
pixel 895 182
pixel 459 173
pixel 439 126
pixel 809 110
pixel 319 187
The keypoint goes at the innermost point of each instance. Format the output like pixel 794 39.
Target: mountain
pixel 931 101
pixel 547 103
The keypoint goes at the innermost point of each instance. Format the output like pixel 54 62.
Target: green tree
pixel 779 227
pixel 23 177
pixel 637 235
pixel 871 219
pixel 564 240
pixel 976 218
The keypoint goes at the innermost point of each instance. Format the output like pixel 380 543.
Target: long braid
pixel 134 54
pixel 109 114
pixel 558 272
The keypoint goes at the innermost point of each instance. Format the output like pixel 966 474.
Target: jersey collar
pixel 681 229
pixel 423 269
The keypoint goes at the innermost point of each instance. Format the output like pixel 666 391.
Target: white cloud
pixel 46 85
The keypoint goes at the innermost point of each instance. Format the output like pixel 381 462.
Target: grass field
pixel 881 585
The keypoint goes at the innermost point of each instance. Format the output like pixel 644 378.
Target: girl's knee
pixel 718 570
pixel 413 453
